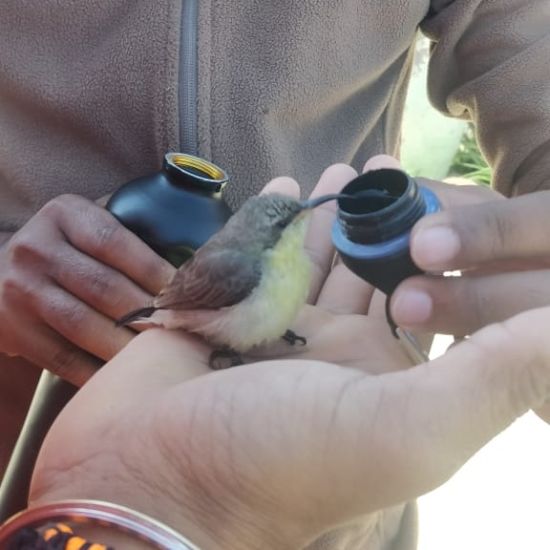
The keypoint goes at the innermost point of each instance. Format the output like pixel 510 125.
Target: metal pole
pixel 51 395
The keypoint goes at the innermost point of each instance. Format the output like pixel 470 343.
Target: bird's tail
pixel 140 313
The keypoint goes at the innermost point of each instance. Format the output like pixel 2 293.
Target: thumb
pixel 394 437
pixel 431 419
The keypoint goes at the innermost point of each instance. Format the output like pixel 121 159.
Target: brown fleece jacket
pixel 94 93
pixel 90 92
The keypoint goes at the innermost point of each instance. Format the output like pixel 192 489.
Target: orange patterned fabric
pixel 59 537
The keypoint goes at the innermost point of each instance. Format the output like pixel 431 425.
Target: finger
pixel 462 305
pixel 381 161
pixel 478 234
pixel 80 324
pixel 344 292
pixel 97 233
pixel 104 289
pixel 50 351
pixel 284 186
pixel 449 193
pixel 319 240
pixel 452 195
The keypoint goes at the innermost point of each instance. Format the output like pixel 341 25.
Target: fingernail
pixel 381 161
pixel 411 307
pixel 434 247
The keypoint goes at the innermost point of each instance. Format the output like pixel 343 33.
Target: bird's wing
pixel 210 280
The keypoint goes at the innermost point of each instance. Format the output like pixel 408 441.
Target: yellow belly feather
pixel 272 306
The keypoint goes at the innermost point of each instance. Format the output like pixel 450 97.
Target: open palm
pixel 277 453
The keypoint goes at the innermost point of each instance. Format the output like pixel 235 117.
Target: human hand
pixel 500 246
pixel 64 277
pixel 277 412
pixel 273 455
pixel 337 327
pixel 335 288
pixel 345 320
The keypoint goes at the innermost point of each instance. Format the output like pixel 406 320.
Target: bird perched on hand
pixel 246 284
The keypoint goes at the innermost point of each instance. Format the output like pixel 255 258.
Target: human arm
pixel 270 455
pixel 275 453
pixel 489 64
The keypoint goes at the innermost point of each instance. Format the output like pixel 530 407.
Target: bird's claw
pixel 291 337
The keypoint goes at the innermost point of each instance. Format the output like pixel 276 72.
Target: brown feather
pixel 214 278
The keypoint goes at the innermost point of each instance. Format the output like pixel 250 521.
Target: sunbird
pixel 244 287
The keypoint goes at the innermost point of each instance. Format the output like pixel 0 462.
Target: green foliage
pixel 468 161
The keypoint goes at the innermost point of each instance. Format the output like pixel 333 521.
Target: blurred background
pixel 498 500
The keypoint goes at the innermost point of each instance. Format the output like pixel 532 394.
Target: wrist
pixel 194 520
pixel 138 470
pixel 108 522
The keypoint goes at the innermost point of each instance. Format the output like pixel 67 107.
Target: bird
pixel 244 287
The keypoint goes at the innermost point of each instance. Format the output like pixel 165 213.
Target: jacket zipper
pixel 188 77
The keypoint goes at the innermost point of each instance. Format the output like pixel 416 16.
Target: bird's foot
pixel 291 337
pixel 224 359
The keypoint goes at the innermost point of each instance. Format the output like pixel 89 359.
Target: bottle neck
pixel 194 173
pixel 386 204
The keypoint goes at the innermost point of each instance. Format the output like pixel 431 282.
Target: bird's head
pixel 264 219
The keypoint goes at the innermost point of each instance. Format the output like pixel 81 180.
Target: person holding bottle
pixel 92 98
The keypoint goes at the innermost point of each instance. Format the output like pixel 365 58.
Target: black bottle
pixel 175 210
pixel 372 230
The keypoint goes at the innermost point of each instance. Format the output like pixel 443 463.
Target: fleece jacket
pixel 93 94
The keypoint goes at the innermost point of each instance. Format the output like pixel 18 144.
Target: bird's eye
pixel 281 224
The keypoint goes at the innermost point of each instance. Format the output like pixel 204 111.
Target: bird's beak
pixel 313 203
